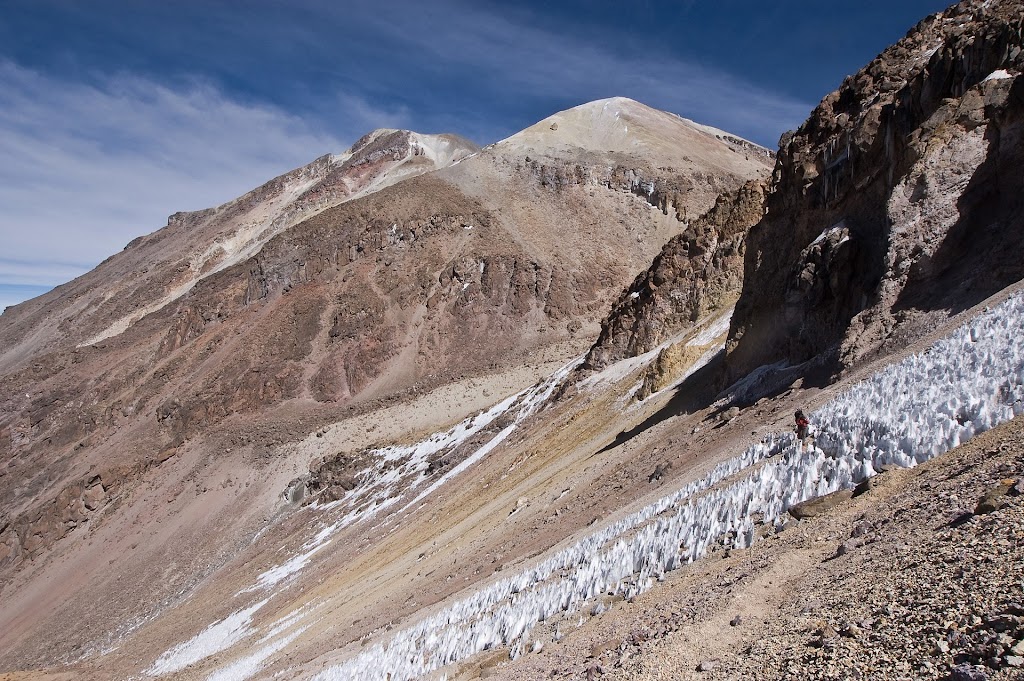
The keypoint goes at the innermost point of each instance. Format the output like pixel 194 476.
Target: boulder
pixel 819 505
pixel 995 498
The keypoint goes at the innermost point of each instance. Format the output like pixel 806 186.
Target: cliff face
pixel 697 272
pixel 899 200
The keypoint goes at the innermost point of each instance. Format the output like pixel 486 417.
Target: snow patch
pixel 623 368
pixel 619 370
pixel 212 640
pixel 248 666
pixel 291 567
pixel 755 383
pixel 401 469
pixel 830 231
pixel 1000 74
pixel 701 362
pixel 712 331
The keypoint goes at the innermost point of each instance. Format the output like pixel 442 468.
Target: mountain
pixel 156 270
pixel 530 415
pixel 377 295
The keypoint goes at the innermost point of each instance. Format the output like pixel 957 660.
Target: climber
pixel 803 426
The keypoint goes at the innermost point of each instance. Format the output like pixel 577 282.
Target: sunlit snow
pixel 1000 74
pixel 246 667
pixel 400 470
pixel 715 329
pixel 215 638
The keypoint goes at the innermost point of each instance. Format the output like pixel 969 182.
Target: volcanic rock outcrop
pixel 899 201
pixel 697 272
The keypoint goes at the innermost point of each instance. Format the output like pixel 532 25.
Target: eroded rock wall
pixel 898 201
pixel 697 272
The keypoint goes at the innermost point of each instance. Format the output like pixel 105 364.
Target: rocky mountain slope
pixel 212 349
pixel 156 270
pixel 339 458
pixel 697 272
pixel 898 201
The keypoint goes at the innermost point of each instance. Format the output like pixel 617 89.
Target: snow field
pixel 713 330
pixel 905 414
pixel 246 667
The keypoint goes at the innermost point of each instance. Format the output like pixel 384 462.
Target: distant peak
pixel 397 144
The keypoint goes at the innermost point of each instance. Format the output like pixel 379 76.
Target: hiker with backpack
pixel 803 426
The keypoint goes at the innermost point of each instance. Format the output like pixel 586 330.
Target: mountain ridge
pixel 217 237
pixel 430 282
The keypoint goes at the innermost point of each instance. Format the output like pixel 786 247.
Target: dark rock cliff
pixel 697 272
pixel 898 201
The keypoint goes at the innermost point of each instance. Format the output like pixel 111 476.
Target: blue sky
pixel 116 113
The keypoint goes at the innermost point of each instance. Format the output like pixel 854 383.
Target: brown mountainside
pixel 337 290
pixel 311 448
pixel 157 269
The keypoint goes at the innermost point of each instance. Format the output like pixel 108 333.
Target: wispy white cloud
pixel 85 168
pixel 515 54
pixel 360 116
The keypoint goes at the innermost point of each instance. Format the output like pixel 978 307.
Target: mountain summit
pixel 623 125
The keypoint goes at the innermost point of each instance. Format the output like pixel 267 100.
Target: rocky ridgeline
pixel 380 145
pixel 678 194
pixel 329 180
pixel 317 171
pixel 697 272
pixel 898 198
